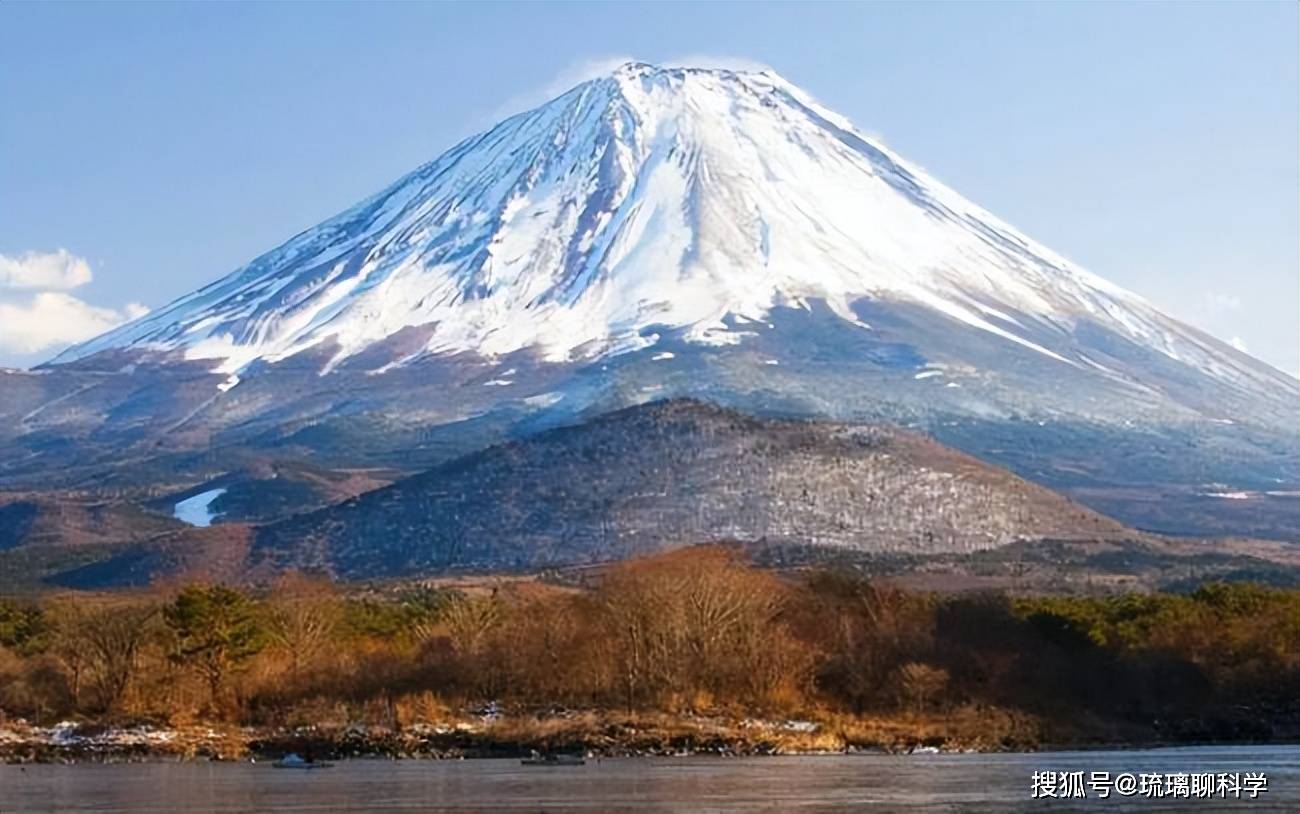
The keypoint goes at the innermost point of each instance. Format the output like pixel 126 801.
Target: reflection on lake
pixel 974 782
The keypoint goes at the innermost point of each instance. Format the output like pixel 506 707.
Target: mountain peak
pixel 638 80
pixel 638 69
pixel 634 69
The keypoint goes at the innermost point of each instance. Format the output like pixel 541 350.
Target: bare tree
pixel 302 620
pixel 100 647
pixel 115 638
pixel 469 620
pixel 68 647
pixel 919 683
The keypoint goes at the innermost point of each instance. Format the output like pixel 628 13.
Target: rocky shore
pixel 488 732
pixel 597 733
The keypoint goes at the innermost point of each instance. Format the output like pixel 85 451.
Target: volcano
pixel 662 233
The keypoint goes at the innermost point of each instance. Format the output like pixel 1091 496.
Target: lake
pixel 935 782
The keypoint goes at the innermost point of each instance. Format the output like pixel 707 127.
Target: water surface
pixel 913 783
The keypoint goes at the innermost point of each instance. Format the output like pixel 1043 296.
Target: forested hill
pixel 676 473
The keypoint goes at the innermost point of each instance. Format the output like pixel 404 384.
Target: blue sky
pixel 162 146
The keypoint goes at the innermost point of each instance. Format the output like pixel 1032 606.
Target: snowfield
pixel 653 198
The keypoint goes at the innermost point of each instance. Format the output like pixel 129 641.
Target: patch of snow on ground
pixel 544 400
pixel 195 510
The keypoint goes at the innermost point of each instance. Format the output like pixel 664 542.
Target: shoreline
pixel 69 743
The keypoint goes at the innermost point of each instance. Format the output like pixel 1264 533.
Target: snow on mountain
pixel 647 201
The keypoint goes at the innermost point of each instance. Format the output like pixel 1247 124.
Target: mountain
pixel 662 233
pixel 671 200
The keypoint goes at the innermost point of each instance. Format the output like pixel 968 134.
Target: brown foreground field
pixel 694 651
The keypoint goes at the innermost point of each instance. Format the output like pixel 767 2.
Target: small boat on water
pixel 553 759
pixel 295 761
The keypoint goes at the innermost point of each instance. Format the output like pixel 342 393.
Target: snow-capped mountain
pixel 659 233
pixel 651 199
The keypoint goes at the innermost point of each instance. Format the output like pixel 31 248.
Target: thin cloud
pixel 570 76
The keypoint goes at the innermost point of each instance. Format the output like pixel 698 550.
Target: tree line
pixel 698 630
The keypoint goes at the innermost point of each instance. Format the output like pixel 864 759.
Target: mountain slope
pixel 655 199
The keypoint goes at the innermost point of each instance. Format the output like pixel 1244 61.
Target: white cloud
pixel 43 271
pixel 1239 343
pixel 53 318
pixel 36 311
